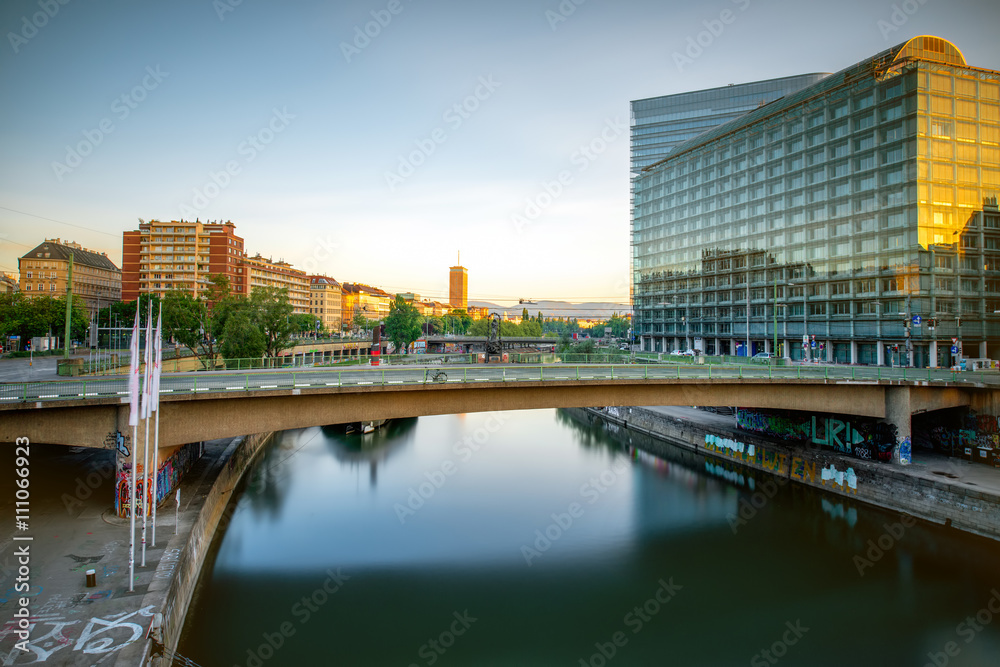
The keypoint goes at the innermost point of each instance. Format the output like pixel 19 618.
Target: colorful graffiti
pixel 861 437
pixel 844 481
pixel 739 451
pixel 777 424
pixel 954 434
pixel 168 476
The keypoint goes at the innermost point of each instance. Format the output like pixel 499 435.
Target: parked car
pixel 682 353
pixel 763 356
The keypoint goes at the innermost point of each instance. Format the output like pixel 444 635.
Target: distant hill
pixel 588 310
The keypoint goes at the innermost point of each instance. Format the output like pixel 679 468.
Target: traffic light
pixel 932 324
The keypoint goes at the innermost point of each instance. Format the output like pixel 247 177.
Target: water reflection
pixel 432 517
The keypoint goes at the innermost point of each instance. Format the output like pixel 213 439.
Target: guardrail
pixel 187 384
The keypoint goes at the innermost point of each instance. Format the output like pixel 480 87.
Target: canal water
pixel 551 538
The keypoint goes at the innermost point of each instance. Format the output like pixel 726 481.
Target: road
pixel 311 378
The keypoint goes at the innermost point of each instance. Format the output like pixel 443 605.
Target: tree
pixel 303 323
pixel 459 320
pixel 436 325
pixel 402 326
pixel 524 315
pixel 183 319
pixel 27 317
pixel 242 338
pixel 271 310
pixel 361 323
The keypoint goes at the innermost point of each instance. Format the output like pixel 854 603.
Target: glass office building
pixel 858 213
pixel 659 124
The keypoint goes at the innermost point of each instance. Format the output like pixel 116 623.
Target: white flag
pixel 133 372
pixel 149 364
pixel 157 360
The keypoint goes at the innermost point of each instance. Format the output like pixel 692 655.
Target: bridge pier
pixel 898 412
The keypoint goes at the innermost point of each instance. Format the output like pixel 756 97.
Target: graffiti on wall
pixel 776 424
pixel 951 433
pixel 844 481
pixel 744 453
pixel 861 437
pixel 168 476
pixel 799 468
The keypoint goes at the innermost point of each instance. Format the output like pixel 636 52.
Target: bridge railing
pixel 316 378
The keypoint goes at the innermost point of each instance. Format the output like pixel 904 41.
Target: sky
pixel 374 140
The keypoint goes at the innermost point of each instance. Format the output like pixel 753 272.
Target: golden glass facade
pixel 849 207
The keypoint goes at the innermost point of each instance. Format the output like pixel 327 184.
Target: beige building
pixel 263 272
pixel 370 301
pixel 8 283
pixel 96 279
pixel 325 302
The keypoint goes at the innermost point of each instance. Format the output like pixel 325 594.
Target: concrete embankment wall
pixel 884 485
pixel 232 465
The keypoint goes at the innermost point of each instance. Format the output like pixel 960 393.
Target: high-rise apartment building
pixel 325 302
pixel 458 287
pixel 164 256
pixel 852 214
pixel 45 269
pixel 263 272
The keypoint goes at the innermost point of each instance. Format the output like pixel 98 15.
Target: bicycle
pixel 437 376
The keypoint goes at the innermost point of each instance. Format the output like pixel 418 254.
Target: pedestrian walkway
pixel 926 464
pixel 74 529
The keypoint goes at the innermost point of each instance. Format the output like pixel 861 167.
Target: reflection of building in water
pixel 840 212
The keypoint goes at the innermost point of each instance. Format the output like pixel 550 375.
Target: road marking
pixel 269 386
pixel 49 396
pixel 395 382
pixel 123 393
pixel 365 382
pixel 303 385
pixel 202 389
pixel 234 387
pixel 332 384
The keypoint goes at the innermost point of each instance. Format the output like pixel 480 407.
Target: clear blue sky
pixel 331 122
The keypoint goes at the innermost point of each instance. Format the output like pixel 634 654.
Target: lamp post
pixel 806 356
pixel 775 314
pixel 878 331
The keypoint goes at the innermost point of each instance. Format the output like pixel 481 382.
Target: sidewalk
pixel 926 464
pixel 74 529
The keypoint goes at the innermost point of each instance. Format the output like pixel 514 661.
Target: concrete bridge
pixel 89 412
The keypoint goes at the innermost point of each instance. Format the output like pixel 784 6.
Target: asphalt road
pixel 310 378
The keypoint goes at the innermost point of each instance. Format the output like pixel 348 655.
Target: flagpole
pixel 147 379
pixel 134 422
pixel 157 369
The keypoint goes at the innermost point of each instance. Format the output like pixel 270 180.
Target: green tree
pixel 242 338
pixel 402 326
pixel 271 311
pixel 524 315
pixel 459 320
pixel 437 325
pixel 480 327
pixel 303 323
pixel 183 319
